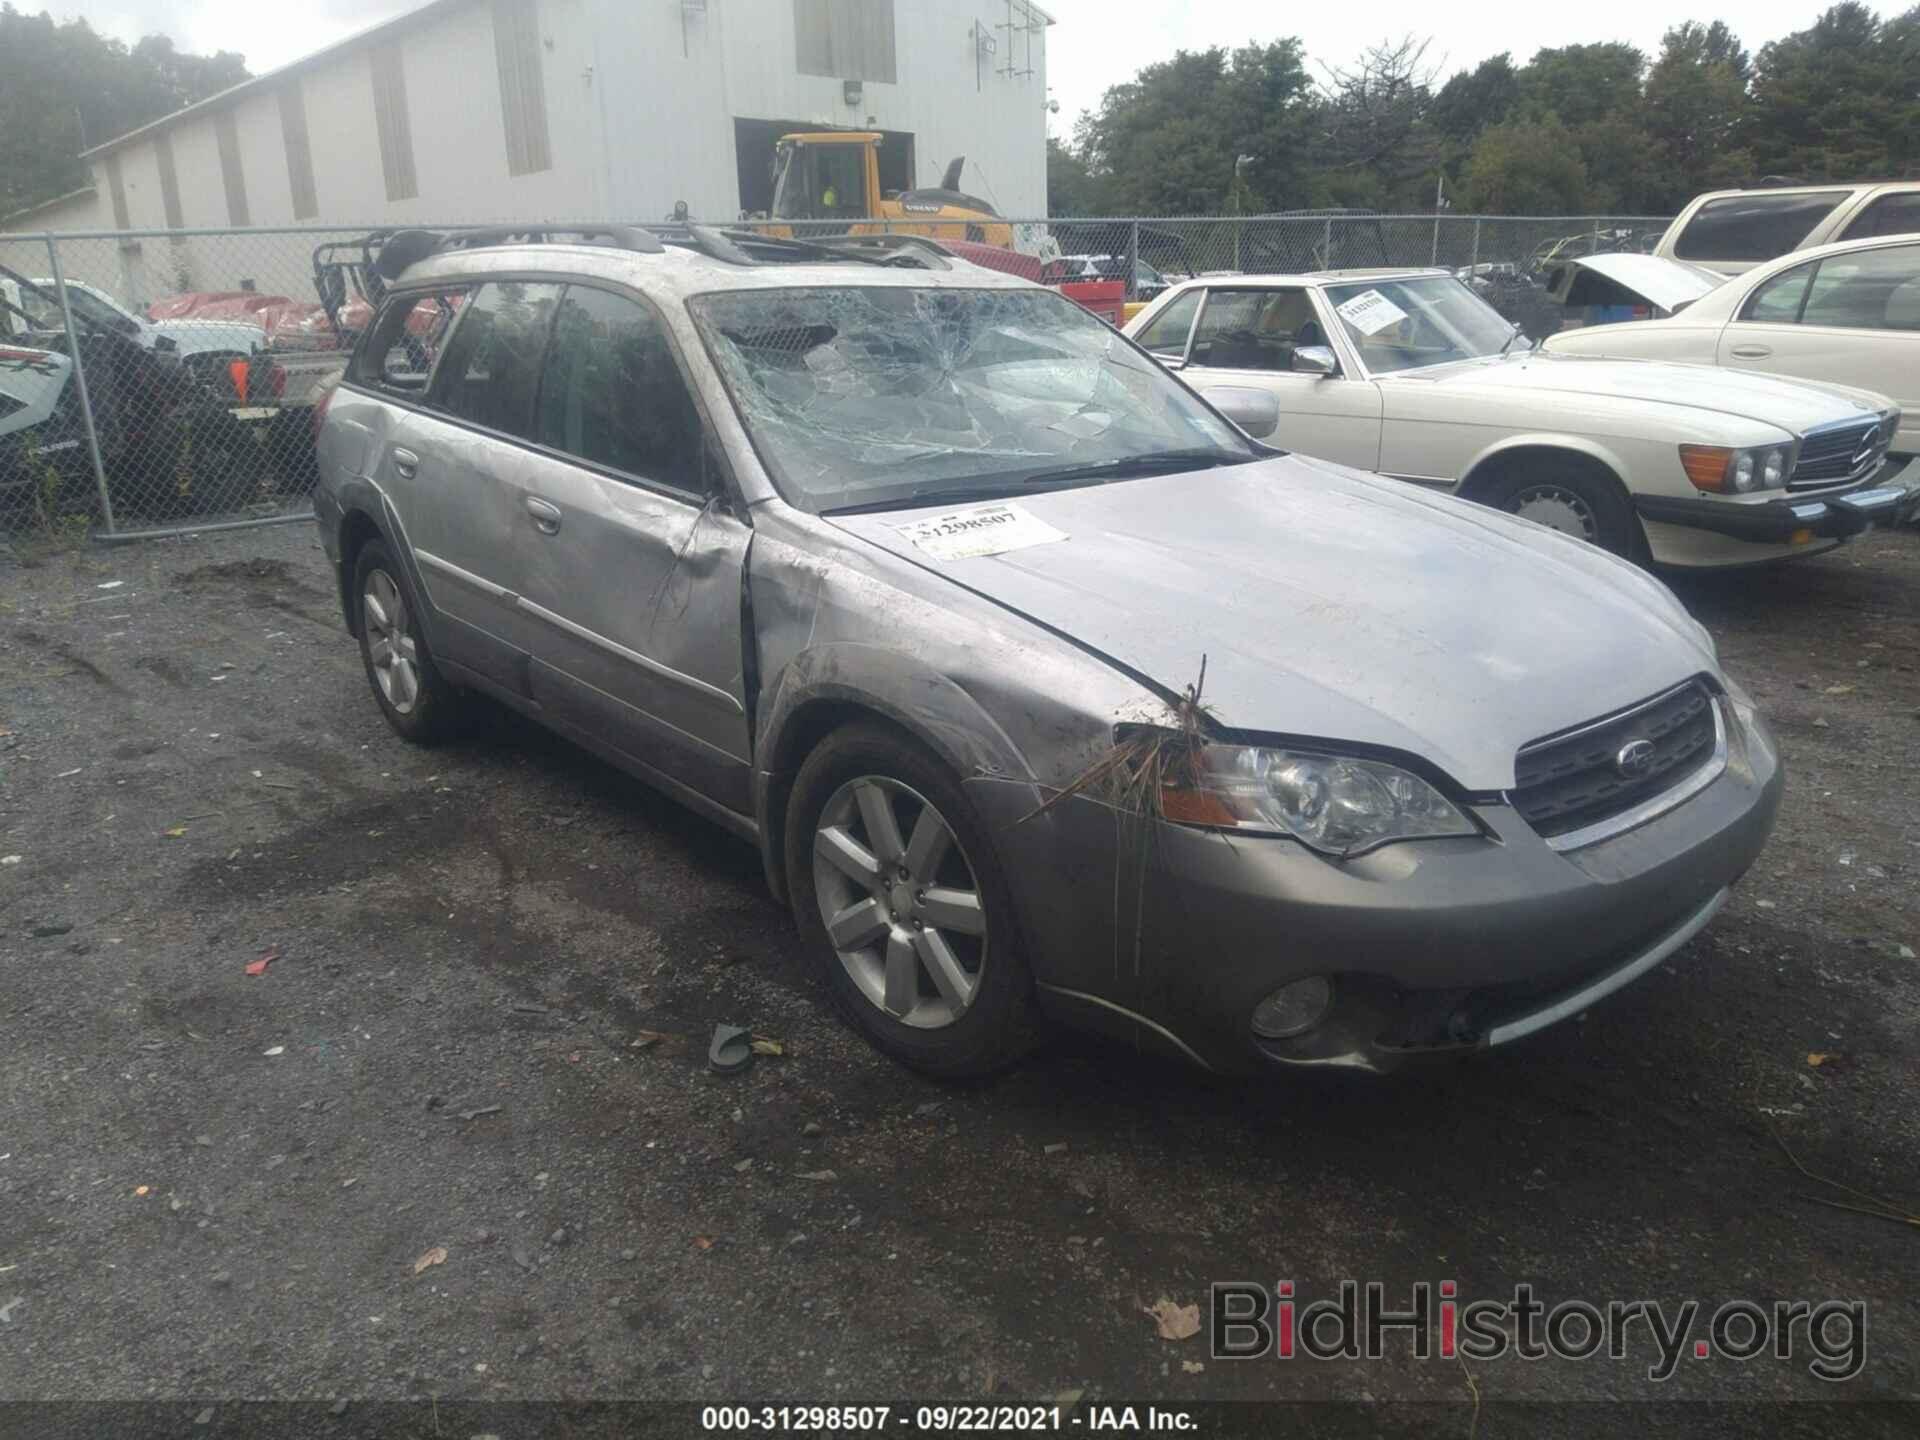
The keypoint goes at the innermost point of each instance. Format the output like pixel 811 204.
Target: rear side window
pixel 1754 227
pixel 404 341
pixel 491 368
pixel 613 393
pixel 1166 333
pixel 1874 290
pixel 1889 215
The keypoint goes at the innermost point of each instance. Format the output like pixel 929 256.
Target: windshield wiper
pixel 1155 463
pixel 942 495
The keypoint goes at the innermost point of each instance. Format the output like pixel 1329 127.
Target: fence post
pixel 1133 256
pixel 80 383
pixel 1473 265
pixel 1326 244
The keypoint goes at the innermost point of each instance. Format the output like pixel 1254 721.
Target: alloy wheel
pixel 900 902
pixel 390 644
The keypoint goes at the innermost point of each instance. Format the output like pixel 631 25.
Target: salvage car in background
pixel 882 561
pixel 168 439
pixel 1847 313
pixel 1732 231
pixel 1613 288
pixel 32 313
pixel 1411 374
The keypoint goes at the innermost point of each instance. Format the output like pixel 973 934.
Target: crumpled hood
pixel 198 337
pixel 32 380
pixel 1338 605
pixel 1792 404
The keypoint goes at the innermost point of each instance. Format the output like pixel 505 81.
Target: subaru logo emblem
pixel 1634 760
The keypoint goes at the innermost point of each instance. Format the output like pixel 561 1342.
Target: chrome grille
pixel 1575 780
pixel 1847 451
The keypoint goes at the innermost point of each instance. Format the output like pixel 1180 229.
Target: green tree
pixel 1696 100
pixel 1583 83
pixel 1165 142
pixel 1071 187
pixel 64 87
pixel 1377 143
pixel 1837 101
pixel 1474 99
pixel 1525 167
pixel 1594 91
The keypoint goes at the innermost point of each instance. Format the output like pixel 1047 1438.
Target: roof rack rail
pixel 740 245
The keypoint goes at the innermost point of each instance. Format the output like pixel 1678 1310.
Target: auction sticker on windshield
pixel 1370 312
pixel 981 530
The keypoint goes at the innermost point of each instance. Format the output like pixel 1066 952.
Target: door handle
pixel 406 464
pixel 546 517
pixel 1751 352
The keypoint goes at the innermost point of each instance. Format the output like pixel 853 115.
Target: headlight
pixel 1336 804
pixel 1727 471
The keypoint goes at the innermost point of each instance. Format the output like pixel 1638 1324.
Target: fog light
pixel 1293 1009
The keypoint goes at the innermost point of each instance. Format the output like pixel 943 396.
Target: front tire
pixel 895 884
pixel 1575 498
pixel 419 703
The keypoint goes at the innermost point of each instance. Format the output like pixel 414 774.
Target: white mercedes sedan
pixel 1847 313
pixel 1410 374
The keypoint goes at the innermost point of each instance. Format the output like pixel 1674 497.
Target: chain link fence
pixel 157 382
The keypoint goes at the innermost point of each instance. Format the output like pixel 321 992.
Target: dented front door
pixel 628 563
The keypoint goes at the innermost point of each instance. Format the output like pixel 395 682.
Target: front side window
pixel 1255 329
pixel 1166 334
pixel 1871 290
pixel 613 393
pixel 492 363
pixel 895 395
pixel 405 339
pixel 1410 324
pixel 1777 301
pixel 1754 227
pixel 1889 215
pixel 821 182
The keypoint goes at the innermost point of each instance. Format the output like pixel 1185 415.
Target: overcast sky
pixel 1094 44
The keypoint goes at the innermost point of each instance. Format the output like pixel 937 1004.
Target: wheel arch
pixel 833 686
pixel 1500 458
pixel 365 515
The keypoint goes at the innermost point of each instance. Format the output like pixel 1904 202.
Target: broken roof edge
pixel 278 75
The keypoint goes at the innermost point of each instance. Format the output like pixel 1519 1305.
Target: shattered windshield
pixel 859 396
pixel 1406 324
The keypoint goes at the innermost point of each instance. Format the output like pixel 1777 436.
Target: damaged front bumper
pixel 1171 936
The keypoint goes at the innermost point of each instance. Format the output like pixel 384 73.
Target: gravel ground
pixel 216 1184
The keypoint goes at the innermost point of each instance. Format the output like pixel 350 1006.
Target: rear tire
pixel 420 704
pixel 1576 497
pixel 924 958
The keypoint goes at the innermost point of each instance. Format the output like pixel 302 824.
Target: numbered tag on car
pixel 980 530
pixel 1371 312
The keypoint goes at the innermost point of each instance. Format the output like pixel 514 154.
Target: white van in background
pixel 1732 231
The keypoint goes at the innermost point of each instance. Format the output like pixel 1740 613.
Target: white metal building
pixel 580 109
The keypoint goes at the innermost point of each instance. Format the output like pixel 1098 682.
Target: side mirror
pixel 165 345
pixel 1254 411
pixel 1315 360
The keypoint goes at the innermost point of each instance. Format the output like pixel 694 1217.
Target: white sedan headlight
pixel 1726 471
pixel 1338 804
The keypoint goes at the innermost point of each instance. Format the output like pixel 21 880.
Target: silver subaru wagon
pixel 1043 691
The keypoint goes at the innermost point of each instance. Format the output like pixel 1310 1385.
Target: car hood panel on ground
pixel 1791 404
pixel 1332 604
